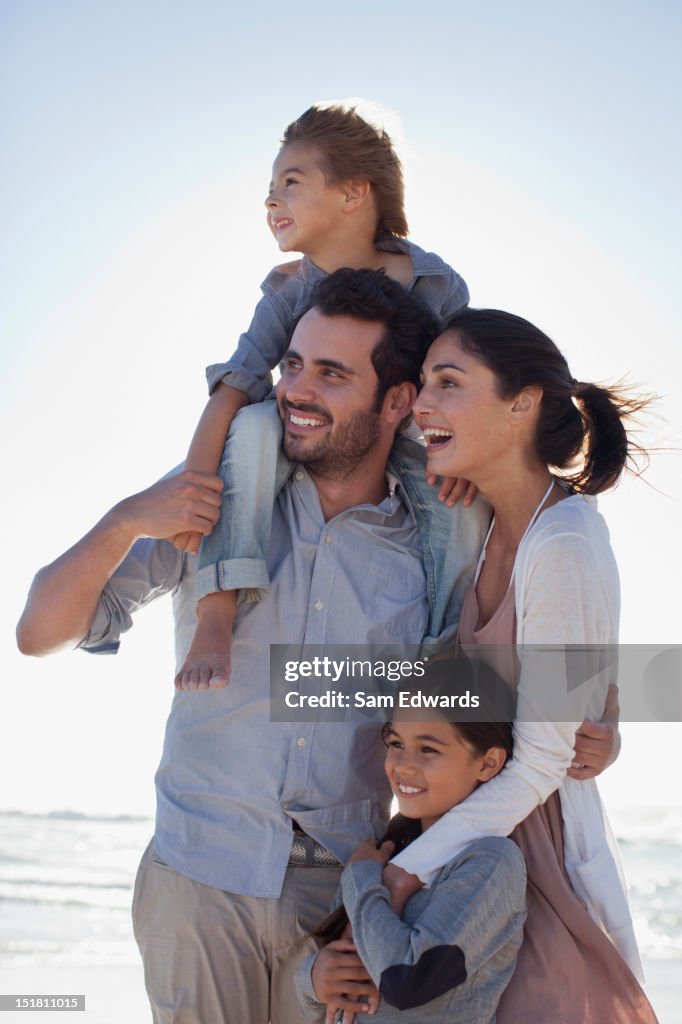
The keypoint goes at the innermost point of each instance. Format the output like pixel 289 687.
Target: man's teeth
pixel 305 421
pixel 408 789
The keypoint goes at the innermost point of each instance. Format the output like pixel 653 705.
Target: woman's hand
pixel 453 488
pixel 597 744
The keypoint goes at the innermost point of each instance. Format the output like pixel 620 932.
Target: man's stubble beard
pixel 337 456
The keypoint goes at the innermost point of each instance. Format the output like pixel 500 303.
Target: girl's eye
pixel 393 744
pixel 290 181
pixel 429 750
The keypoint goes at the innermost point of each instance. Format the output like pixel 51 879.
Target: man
pixel 227 890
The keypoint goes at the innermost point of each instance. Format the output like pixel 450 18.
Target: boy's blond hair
pixel 351 148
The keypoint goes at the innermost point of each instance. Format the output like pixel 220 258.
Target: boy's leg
pixel 233 558
pixel 253 468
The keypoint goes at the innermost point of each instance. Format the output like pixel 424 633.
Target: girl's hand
pixel 368 851
pixel 340 979
pixel 452 488
pixel 401 885
pixel 597 744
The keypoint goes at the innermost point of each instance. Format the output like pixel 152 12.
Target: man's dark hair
pixel 409 326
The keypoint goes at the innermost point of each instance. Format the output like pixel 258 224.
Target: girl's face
pixel 466 425
pixel 431 768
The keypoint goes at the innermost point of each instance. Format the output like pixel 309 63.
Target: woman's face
pixel 466 425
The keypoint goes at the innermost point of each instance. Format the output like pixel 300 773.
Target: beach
pixel 66 887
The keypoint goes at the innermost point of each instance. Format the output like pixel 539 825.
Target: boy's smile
pixel 304 211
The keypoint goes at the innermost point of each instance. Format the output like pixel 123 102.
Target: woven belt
pixel 306 853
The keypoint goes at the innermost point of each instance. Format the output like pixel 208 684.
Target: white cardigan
pixel 567 592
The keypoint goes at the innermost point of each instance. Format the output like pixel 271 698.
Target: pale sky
pixel 542 154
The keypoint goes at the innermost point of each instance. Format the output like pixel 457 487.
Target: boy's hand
pixel 452 488
pixel 188 542
pixel 340 978
pixel 597 744
pixel 368 851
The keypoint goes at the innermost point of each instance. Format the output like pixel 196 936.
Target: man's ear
pixel 398 401
pixel 526 403
pixel 357 191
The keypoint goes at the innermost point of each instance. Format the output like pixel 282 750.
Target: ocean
pixel 66 887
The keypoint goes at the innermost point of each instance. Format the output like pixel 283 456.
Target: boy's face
pixel 304 212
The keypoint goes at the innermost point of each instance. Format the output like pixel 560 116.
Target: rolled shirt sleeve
pixel 151 568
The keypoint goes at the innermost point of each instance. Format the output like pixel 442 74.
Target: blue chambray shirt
pixel 286 296
pixel 230 781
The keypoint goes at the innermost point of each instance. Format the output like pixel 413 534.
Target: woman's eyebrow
pixel 448 366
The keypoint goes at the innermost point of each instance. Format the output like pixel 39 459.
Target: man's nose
pixel 298 387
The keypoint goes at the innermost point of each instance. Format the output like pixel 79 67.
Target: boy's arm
pixel 477 907
pixel 64 596
pixel 245 378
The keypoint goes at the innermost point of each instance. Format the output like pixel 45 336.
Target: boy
pixel 337 197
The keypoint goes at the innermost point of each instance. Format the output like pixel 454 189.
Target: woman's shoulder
pixel 574 521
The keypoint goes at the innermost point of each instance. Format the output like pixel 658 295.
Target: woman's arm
pixel 569 604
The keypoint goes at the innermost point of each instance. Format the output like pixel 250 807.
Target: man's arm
pixel 64 596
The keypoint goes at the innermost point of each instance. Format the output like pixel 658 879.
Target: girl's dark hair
pixel 581 427
pixel 351 147
pixel 486 724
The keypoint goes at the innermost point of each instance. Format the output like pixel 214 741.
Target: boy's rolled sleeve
pixel 151 568
pixel 259 349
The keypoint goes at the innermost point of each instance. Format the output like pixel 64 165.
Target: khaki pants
pixel 214 957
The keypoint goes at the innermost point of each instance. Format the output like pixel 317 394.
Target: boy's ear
pixel 398 401
pixel 357 191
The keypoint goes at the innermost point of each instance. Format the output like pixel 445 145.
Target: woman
pixel 500 407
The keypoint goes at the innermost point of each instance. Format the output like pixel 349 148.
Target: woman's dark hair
pixel 581 428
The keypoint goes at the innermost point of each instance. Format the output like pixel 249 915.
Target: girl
pixel 500 407
pixel 453 950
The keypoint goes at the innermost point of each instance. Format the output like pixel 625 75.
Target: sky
pixel 542 151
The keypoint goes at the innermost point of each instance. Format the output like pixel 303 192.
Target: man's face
pixel 327 392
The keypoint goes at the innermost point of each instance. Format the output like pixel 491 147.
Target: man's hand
pixel 453 488
pixel 188 502
pixel 401 885
pixel 597 744
pixel 368 851
pixel 340 979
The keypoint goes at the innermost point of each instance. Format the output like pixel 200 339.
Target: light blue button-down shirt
pixel 230 780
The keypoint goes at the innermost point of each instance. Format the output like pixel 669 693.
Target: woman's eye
pixel 446 382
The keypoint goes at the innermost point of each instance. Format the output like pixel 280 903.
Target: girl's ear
pixel 492 762
pixel 357 191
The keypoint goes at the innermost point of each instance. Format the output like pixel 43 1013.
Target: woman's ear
pixel 527 401
pixel 492 762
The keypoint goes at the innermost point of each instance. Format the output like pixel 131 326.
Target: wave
pixel 67 815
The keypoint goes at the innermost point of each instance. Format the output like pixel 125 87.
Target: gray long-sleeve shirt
pixel 451 955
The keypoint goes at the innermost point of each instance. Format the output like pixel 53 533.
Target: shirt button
pixel 300 742
pixel 327 539
pixel 299 475
pixel 318 606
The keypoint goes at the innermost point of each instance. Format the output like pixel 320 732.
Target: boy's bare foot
pixel 207 665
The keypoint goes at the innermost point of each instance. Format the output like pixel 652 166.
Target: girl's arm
pixel 571 599
pixel 477 907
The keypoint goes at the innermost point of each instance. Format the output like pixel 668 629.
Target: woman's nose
pixel 423 402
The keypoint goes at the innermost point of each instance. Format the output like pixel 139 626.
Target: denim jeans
pixel 254 469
